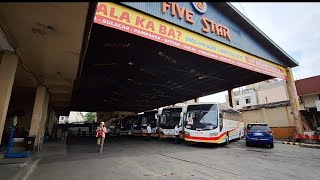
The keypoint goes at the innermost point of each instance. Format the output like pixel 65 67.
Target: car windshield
pixel 262 127
pixel 203 117
pixel 170 118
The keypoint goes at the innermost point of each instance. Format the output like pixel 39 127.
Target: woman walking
pixel 101 134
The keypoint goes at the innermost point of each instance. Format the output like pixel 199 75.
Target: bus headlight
pixel 187 133
pixel 213 134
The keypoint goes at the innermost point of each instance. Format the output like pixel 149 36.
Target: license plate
pixel 258 134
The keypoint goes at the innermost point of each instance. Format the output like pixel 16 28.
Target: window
pixel 248 100
pixel 237 102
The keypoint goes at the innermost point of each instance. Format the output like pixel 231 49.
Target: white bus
pixel 149 117
pixel 168 118
pixel 212 123
pixel 127 125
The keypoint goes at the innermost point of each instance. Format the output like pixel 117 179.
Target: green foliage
pixel 90 117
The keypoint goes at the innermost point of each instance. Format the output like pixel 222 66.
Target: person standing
pixel 149 131
pixel 101 134
pixel 176 134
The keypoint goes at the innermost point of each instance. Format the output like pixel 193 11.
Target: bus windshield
pixel 204 117
pixel 136 122
pixel 170 118
pixel 149 117
pixel 127 122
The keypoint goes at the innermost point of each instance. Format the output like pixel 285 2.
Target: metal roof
pixel 308 86
pixel 121 71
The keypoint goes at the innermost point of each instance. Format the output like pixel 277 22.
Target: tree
pixel 90 117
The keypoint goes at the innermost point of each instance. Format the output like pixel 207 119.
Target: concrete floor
pixel 133 158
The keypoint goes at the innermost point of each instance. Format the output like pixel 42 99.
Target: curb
pixel 279 142
pixel 314 146
pixel 291 143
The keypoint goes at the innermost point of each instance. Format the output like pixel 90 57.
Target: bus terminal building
pixel 127 56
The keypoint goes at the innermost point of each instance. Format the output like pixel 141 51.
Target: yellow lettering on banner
pixel 131 21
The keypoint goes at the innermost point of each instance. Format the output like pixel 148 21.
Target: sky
pixel 293 27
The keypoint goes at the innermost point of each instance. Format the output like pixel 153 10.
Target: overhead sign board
pixel 128 20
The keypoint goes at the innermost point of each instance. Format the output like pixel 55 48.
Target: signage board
pixel 128 20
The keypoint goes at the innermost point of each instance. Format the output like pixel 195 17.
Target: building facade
pixel 273 106
pixel 309 92
pixel 73 117
pixel 247 97
pixel 265 92
pixel 197 45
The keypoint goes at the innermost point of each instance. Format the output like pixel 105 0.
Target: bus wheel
pixel 227 139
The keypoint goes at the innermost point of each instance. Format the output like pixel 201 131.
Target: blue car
pixel 259 133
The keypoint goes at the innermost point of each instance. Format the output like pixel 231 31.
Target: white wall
pixel 63 119
pixel 75 117
pixel 273 92
pixel 242 100
pixel 309 100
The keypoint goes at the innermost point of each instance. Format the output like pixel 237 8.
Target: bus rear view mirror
pixel 220 115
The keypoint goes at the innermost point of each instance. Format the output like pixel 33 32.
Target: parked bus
pixel 127 124
pixel 114 126
pixel 212 123
pixel 149 117
pixel 136 125
pixel 168 118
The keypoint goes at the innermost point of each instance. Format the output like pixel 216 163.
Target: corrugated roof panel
pixel 308 86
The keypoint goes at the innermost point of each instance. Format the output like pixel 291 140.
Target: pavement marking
pixel 24 174
pixel 315 146
pixel 284 154
pixel 197 164
pixel 31 169
pixel 243 149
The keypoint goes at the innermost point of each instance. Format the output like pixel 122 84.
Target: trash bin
pixel 29 143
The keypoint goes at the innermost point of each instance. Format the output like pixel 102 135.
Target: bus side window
pixel 220 121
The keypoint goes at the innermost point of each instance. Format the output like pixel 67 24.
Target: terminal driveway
pixel 133 158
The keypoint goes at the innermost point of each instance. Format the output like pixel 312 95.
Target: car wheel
pixel 248 144
pixel 271 145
